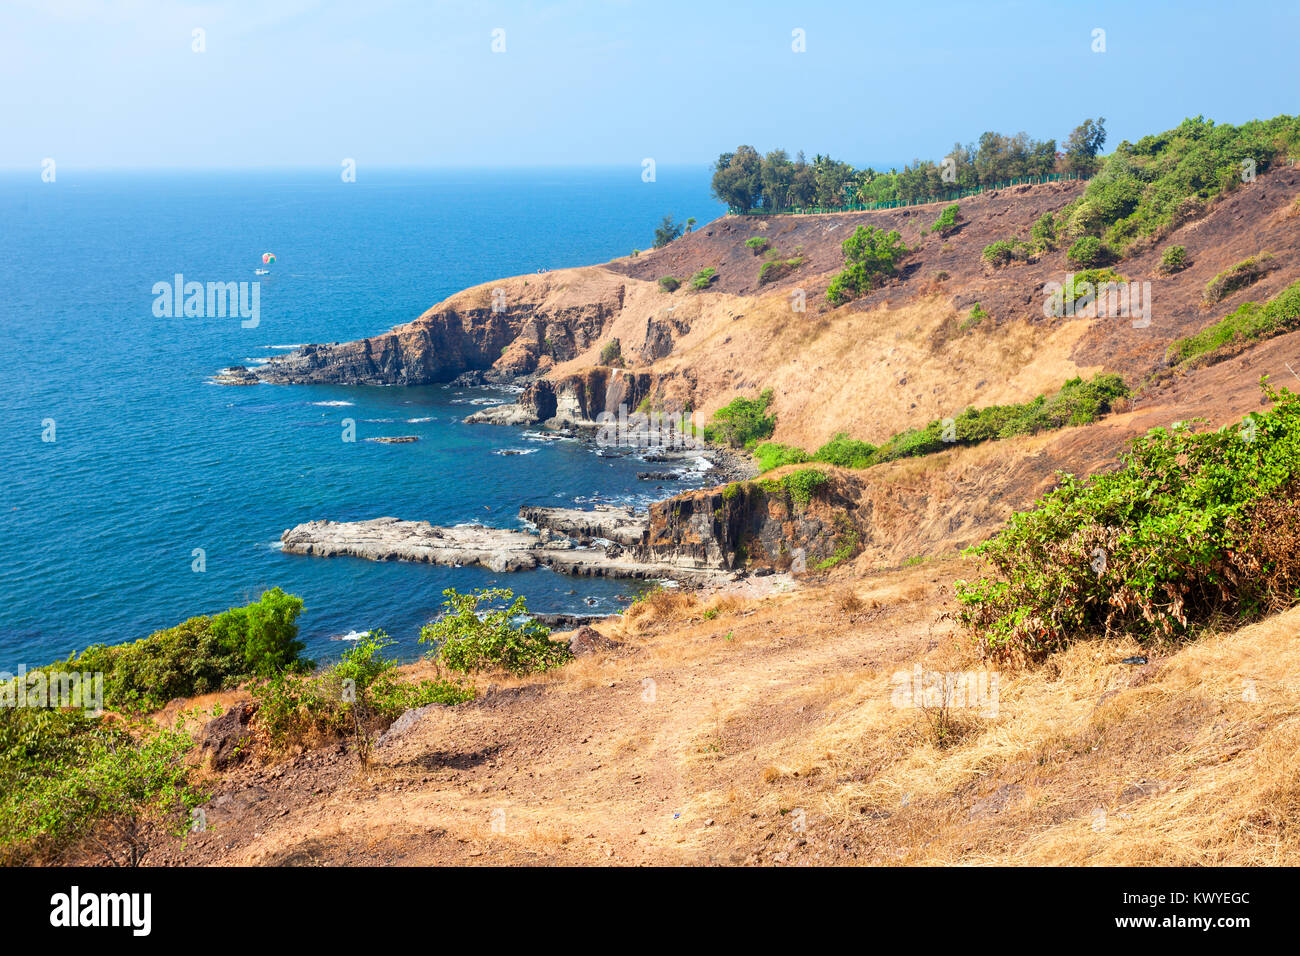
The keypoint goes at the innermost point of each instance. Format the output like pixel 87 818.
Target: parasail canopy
pixel 268 257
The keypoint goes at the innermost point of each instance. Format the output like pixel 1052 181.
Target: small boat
pixel 261 272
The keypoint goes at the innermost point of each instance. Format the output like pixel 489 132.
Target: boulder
pixel 588 640
pixel 224 740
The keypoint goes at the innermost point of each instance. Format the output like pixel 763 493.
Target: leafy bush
pixel 469 639
pixel 778 269
pixel 265 633
pixel 742 422
pixel 1173 260
pixel 702 279
pixel 1249 322
pixel 870 254
pixel 1192 528
pixel 611 353
pixel 977 315
pixel 757 244
pixel 1088 252
pixel 1005 251
pixel 773 455
pixel 845 452
pixel 1076 403
pixel 197 656
pixel 798 486
pixel 1044 233
pixel 1244 273
pixel 356 697
pixel 669 284
pixel 1162 180
pixel 947 220
pixel 91 779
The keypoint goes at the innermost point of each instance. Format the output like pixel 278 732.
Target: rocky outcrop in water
pixel 498 549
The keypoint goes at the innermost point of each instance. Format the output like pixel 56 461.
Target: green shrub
pixel 1076 403
pixel 845 452
pixel 1088 252
pixel 870 254
pixel 470 639
pixel 611 353
pixel 773 455
pixel 1173 260
pixel 702 279
pixel 798 486
pixel 742 422
pixel 757 244
pixel 197 656
pixel 1192 528
pixel 669 284
pixel 355 697
pixel 778 269
pixel 977 315
pixel 265 632
pixel 1249 322
pixel 1005 251
pixel 1163 179
pixel 1043 234
pixel 1244 273
pixel 92 777
pixel 947 220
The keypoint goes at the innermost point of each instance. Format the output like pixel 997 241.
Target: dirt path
pixel 631 759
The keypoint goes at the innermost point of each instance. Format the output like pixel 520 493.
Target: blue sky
pixel 310 82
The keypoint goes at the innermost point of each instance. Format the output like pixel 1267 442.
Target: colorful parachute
pixel 268 258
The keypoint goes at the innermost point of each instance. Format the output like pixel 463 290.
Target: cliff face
pixel 508 329
pixel 574 400
pixel 756 524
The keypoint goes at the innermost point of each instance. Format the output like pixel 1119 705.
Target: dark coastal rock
pixel 504 330
pixel 223 740
pixel 588 640
pixel 658 476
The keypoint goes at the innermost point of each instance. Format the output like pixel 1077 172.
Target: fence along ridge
pixel 901 204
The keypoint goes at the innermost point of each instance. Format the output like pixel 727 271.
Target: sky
pixel 610 82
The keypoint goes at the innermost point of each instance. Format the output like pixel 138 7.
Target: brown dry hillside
pixel 769 731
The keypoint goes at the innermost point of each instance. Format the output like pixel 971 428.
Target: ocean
pixel 149 460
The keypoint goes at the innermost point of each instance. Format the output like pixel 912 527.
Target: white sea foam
pixel 333 404
pixel 414 421
pixel 282 346
pixel 515 451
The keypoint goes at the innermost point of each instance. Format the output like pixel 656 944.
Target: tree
pixel 666 232
pixel 869 254
pixel 1084 144
pixel 737 179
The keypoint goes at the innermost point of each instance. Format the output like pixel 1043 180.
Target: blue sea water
pixel 150 460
